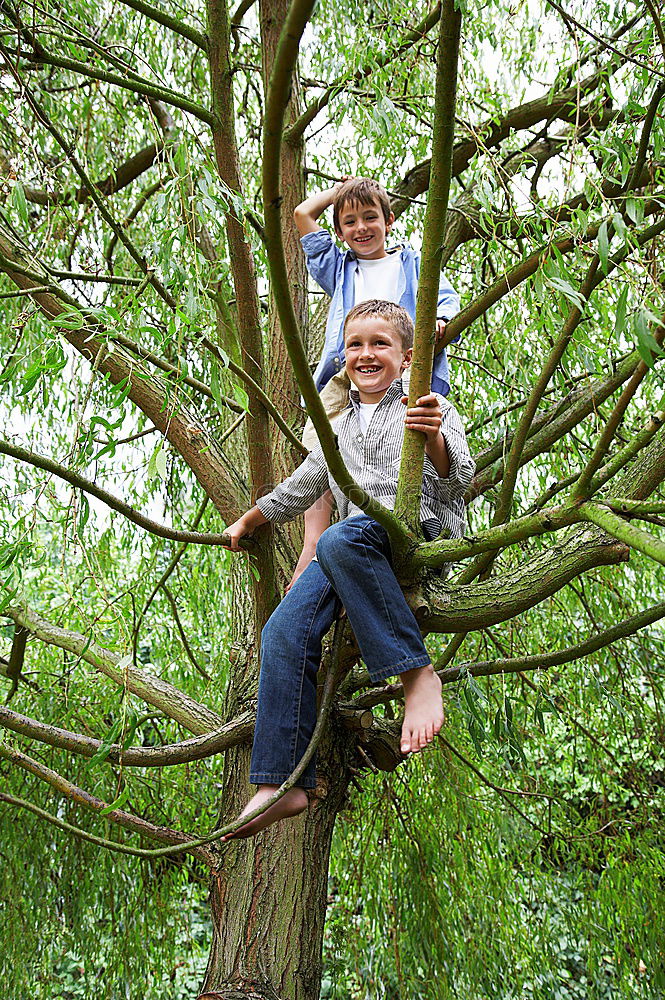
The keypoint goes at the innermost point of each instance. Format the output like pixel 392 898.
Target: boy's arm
pixel 245 525
pixel 297 493
pixel 445 444
pixel 292 497
pixel 307 213
pixel 426 417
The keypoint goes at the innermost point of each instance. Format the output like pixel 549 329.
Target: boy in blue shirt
pixel 362 219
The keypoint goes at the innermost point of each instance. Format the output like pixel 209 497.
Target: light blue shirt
pixel 334 270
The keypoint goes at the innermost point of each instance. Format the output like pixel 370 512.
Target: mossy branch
pixel 168 21
pixel 193 846
pixel 624 531
pixel 127 820
pixel 81 483
pixel 407 504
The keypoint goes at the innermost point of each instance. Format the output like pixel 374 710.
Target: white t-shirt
pixel 379 279
pixel 365 415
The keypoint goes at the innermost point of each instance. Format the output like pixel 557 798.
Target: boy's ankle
pixel 415 673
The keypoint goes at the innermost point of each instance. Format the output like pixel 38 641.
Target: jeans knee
pixel 332 544
pixel 277 632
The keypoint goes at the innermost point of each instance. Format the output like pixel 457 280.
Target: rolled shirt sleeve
pixel 449 300
pixel 323 258
pixel 297 493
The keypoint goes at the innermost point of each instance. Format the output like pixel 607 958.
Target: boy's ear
pixel 407 357
pixel 389 222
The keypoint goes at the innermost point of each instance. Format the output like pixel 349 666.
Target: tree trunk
pixel 269 894
pixel 269 898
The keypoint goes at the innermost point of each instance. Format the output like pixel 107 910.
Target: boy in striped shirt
pixel 353 567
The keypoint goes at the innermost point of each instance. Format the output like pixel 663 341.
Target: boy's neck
pixel 371 397
pixel 379 255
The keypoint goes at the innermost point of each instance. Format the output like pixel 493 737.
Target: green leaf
pixel 619 225
pixel 157 463
pixel 31 377
pixel 18 195
pixel 603 246
pixel 573 296
pixel 647 345
pixel 620 318
pixel 240 396
pixel 117 803
pixel 106 744
pixel 84 514
pixel 215 388
pixel 69 319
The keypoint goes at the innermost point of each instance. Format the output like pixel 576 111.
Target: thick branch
pixel 163 405
pixel 295 131
pixel 16 658
pixel 541 661
pixel 80 483
pixel 466 608
pixel 516 664
pixel 614 420
pixel 175 704
pixel 491 132
pixel 247 300
pixel 330 686
pixel 512 464
pixel 199 748
pixel 132 83
pixel 624 531
pixel 575 408
pixel 173 23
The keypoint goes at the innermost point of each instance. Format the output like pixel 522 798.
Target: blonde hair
pixel 398 318
pixel 360 191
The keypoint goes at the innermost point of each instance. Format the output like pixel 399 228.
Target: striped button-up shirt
pixel 373 460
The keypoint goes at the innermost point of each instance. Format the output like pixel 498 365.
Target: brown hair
pixel 360 191
pixel 398 318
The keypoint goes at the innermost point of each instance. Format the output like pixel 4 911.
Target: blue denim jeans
pixel 354 570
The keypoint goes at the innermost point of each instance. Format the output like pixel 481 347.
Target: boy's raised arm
pixel 306 214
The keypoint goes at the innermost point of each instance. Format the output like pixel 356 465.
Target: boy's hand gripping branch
pixel 426 417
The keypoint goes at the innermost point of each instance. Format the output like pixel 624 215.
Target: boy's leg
pixel 317 519
pixel 286 711
pixel 355 556
pixel 335 399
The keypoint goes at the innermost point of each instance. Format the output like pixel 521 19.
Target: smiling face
pixel 374 356
pixel 364 228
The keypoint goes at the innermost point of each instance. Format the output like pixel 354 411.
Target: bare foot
pixel 423 708
pixel 291 803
